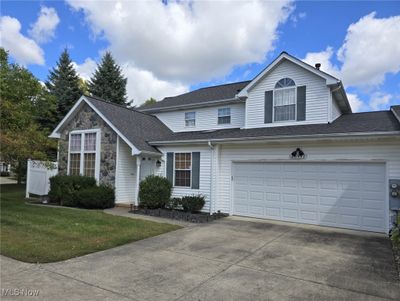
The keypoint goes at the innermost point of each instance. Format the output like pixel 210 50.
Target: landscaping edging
pixel 181 215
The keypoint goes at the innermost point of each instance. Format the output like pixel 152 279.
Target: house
pixel 283 146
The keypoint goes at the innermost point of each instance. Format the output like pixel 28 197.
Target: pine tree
pixel 108 81
pixel 64 83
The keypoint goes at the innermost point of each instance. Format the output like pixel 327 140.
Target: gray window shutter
pixel 301 103
pixel 268 106
pixel 196 170
pixel 170 167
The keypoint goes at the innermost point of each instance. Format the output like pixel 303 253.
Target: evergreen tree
pixel 64 84
pixel 108 81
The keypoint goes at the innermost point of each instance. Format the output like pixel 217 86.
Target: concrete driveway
pixel 231 259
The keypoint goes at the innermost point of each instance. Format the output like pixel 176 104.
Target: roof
pixel 237 92
pixel 136 127
pixel 226 92
pixel 354 123
pixel 396 111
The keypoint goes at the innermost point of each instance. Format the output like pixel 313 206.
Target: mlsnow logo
pixel 25 292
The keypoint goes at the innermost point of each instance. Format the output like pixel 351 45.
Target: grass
pixel 43 234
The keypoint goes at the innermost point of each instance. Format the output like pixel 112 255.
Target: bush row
pixel 155 192
pixel 80 191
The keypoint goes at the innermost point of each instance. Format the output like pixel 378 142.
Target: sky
pixel 167 48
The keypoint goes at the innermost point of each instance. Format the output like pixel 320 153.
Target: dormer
pixel 291 92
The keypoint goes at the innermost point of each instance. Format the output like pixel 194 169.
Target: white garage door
pixel 346 195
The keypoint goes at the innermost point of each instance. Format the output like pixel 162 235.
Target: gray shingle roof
pixel 137 127
pixel 396 111
pixel 200 96
pixel 382 121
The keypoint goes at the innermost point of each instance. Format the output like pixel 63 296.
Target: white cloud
pixel 86 69
pixel 24 50
pixel 380 101
pixel 144 84
pixel 187 41
pixel 43 30
pixel 370 50
pixel 324 58
pixel 355 102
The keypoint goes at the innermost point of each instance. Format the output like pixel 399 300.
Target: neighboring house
pixel 282 146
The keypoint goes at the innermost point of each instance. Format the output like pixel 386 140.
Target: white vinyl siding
pixel 125 182
pixel 206 118
pixel 335 110
pixel 352 151
pixel 317 96
pixel 205 172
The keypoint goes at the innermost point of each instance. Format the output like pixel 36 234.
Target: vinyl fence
pixel 38 175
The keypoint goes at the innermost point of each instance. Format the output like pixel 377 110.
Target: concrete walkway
pixel 230 259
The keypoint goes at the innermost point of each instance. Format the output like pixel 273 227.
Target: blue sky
pixel 171 47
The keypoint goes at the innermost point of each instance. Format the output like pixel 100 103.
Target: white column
pixel 138 163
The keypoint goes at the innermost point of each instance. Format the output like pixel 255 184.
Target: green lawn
pixel 42 234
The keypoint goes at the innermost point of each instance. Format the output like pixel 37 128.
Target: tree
pixel 64 84
pixel 21 136
pixel 108 81
pixel 150 101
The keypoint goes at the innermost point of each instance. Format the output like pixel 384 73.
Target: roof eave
pixel 281 137
pixel 194 105
pixel 330 80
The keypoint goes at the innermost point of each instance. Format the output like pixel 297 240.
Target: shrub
pixel 193 203
pixel 154 192
pixel 97 197
pixel 63 188
pixel 174 203
pixel 4 174
pixel 395 235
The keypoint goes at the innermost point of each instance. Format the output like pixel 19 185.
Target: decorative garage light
pixel 297 154
pixel 158 163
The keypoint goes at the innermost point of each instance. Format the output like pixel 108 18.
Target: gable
pixel 134 128
pixel 315 100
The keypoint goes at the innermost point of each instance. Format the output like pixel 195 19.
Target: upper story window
pixel 190 119
pixel 284 105
pixel 224 116
pixel 183 169
pixel 83 153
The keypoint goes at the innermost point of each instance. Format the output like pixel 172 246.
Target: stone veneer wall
pixel 87 119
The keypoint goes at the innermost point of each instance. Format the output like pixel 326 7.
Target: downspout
pixel 212 175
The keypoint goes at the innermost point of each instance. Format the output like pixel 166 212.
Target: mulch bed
pixel 181 215
pixel 396 255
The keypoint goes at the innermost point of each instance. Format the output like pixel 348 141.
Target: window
pixel 224 116
pixel 183 169
pixel 285 100
pixel 83 154
pixel 190 119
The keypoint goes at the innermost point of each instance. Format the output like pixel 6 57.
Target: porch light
pixel 158 163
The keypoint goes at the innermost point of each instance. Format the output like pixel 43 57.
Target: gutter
pixel 281 137
pixel 194 105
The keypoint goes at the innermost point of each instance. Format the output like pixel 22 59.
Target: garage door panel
pixel 349 195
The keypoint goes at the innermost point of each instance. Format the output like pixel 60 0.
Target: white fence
pixel 38 175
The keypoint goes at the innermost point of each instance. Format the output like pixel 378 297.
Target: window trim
pixel 82 152
pixel 194 119
pixel 191 170
pixel 222 116
pixel 295 104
